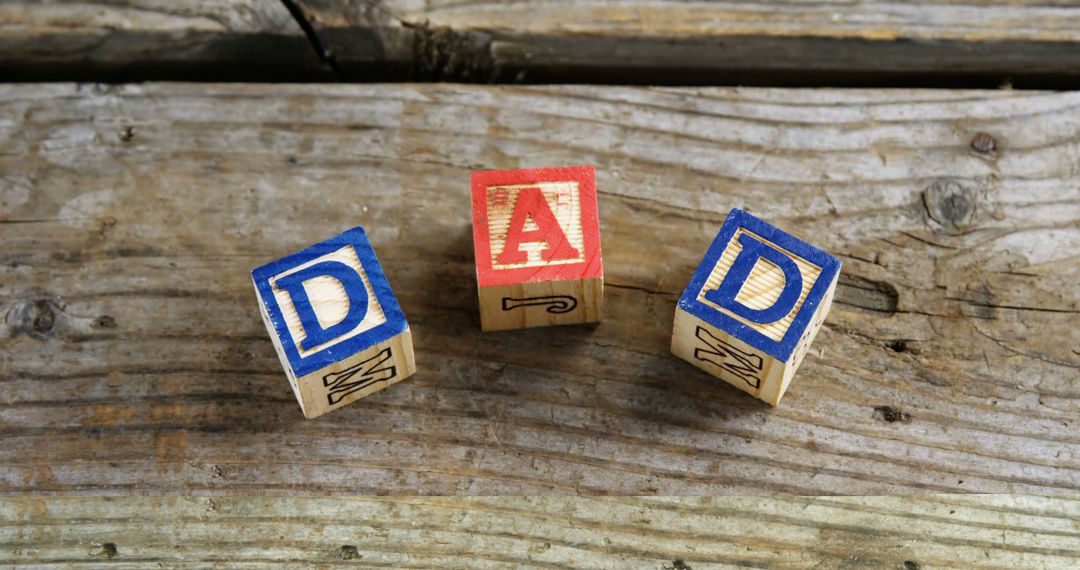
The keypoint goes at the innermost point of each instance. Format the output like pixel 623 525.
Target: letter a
pixel 532 204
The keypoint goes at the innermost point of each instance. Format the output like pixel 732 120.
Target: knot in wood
pixel 445 54
pixel 41 317
pixel 36 318
pixel 103 550
pixel 891 414
pixel 348 552
pixel 951 204
pixel 984 143
pixel 104 322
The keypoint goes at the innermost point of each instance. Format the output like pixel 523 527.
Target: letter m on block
pixel 746 365
pixel 359 376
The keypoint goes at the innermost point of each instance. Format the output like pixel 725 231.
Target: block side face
pixel 358 376
pixel 759 284
pixel 536 225
pixel 279 350
pixel 808 337
pixel 546 303
pixel 723 355
pixel 328 301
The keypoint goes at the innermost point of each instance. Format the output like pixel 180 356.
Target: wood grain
pixel 691 42
pixel 1031 43
pixel 531 532
pixel 147 39
pixel 133 359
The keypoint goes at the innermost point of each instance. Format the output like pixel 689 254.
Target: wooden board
pixel 146 39
pixel 133 358
pixel 780 42
pixel 908 533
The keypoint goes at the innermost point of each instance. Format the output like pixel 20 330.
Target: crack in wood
pixel 325 55
pixel 868 294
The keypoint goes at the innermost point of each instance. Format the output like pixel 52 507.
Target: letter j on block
pixel 537 240
pixel 335 323
pixel 754 306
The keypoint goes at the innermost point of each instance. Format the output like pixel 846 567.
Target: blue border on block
pixel 395 320
pixel 829 265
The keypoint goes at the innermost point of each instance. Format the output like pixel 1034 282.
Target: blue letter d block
pixel 350 280
pixel 752 251
pixel 334 321
pixel 754 305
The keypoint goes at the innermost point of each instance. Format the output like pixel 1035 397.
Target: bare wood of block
pixel 754 305
pixel 536 234
pixel 335 322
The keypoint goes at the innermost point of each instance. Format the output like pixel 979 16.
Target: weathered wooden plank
pixel 133 359
pixel 529 532
pixel 779 42
pixel 147 39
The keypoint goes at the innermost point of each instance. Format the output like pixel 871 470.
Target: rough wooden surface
pixel 904 533
pixel 685 42
pixel 139 39
pixel 780 42
pixel 133 359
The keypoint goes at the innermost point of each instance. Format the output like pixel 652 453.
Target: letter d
pixel 350 280
pixel 736 277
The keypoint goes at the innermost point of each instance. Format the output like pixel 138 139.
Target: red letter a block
pixel 537 239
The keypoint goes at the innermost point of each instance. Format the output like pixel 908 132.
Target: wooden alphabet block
pixel 537 239
pixel 335 323
pixel 754 306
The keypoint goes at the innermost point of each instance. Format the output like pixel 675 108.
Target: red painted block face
pixel 536 225
pixel 537 240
